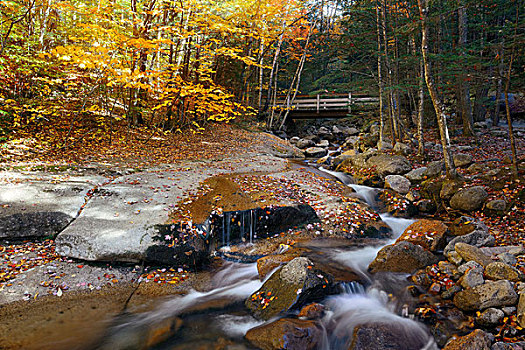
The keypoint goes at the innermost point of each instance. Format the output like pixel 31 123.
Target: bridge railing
pixel 321 103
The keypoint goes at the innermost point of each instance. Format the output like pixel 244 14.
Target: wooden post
pixel 318 101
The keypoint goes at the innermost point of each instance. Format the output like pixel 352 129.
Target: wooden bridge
pixel 323 106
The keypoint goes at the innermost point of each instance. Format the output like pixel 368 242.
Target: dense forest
pixel 183 64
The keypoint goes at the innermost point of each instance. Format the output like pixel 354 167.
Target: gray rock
pixel 389 165
pixel 323 143
pixel 386 336
pixel 336 130
pixel 435 168
pixel 304 143
pixel 402 257
pixel 469 252
pixel 490 317
pixel 472 278
pixel 469 199
pixel 416 175
pixel 500 271
pixel 402 148
pixel 294 140
pixel 351 131
pixel 398 183
pixel 384 145
pixel 521 310
pixel 508 310
pixel 315 152
pixel 490 294
pixel 462 160
pixel 351 142
pixel 286 333
pixel 496 205
pixel 508 346
pixel 322 131
pixel 469 265
pixel 476 238
pixel 295 271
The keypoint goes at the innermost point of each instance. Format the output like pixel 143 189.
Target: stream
pixel 202 319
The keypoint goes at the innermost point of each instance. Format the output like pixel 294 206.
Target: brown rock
pixel 286 333
pixel 430 234
pixel 501 271
pixel 490 294
pixel 469 252
pixel 521 310
pixel 477 340
pixel 402 257
pixel 267 264
pixel 312 311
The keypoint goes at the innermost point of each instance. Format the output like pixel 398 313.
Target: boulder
pixel 402 257
pixel 466 224
pixel 472 253
pixel 386 336
pixel 476 238
pixel 426 206
pixel 402 148
pixel 304 143
pixel 429 234
pixel 398 183
pixel 501 271
pixel 473 277
pixel 291 287
pixel 450 188
pixel 489 294
pixel 286 333
pixel 315 152
pixel 389 165
pixel 495 207
pixel 477 340
pixel 435 168
pixel 469 199
pixel 312 311
pixel 521 310
pixel 416 175
pixel 507 258
pixel 268 263
pixel 323 144
pixel 490 317
pixel 462 160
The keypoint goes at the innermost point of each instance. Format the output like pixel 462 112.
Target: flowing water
pixel 220 313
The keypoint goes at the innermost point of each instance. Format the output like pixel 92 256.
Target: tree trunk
pixel 436 100
pixel 463 86
pixel 380 79
pixel 388 75
pixel 420 110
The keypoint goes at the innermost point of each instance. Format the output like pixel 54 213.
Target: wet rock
pixel 312 312
pixel 305 143
pixel 315 152
pixel 490 317
pixel 521 310
pixel 449 269
pixel 389 165
pixel 36 224
pixel 469 199
pixel 395 204
pixel 477 340
pixel 429 234
pixel 398 183
pixel 402 148
pixel 501 271
pixel 402 257
pixel 489 294
pixel 469 252
pixel 286 333
pixel 450 292
pixel 508 346
pixel 323 144
pixel 476 238
pixel 383 336
pixel 462 160
pixel 268 263
pixel 421 278
pixel 292 286
pixel 417 175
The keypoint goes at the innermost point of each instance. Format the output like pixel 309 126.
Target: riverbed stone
pixel 398 183
pixel 450 188
pixel 286 333
pixel 389 165
pixel 469 252
pixel 291 287
pixel 500 271
pixel 416 175
pixel 384 336
pixel 323 144
pixel 462 160
pixel 521 310
pixel 476 340
pixel 268 263
pixel 304 143
pixel 469 199
pixel 490 294
pixel 315 152
pixel 466 224
pixel 429 234
pixel 476 238
pixel 435 168
pixel 402 148
pixel 402 257
pixel 495 207
pixel 473 277
pixel 490 317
